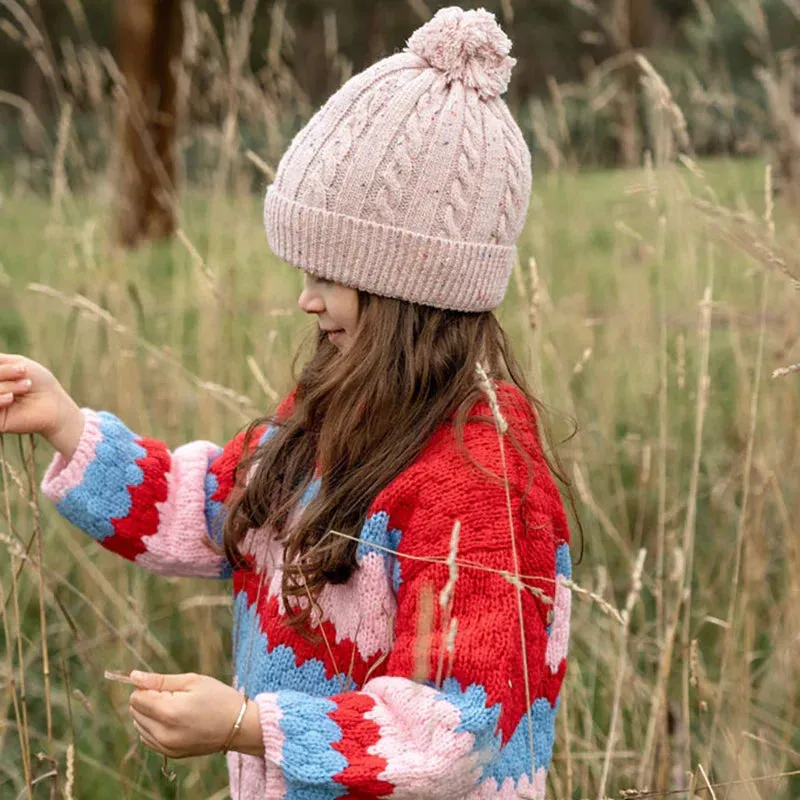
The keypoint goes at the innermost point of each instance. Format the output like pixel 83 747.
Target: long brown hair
pixel 362 416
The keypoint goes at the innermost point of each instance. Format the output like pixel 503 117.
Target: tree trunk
pixel 632 24
pixel 628 140
pixel 150 39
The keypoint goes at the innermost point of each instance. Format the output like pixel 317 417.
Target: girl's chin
pixel 337 338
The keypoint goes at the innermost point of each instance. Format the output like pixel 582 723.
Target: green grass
pixel 612 268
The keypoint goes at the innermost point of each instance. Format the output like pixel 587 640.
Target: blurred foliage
pixel 707 51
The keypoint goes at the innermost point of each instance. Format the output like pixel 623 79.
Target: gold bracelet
pixel 237 724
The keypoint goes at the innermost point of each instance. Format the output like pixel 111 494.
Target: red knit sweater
pixel 402 696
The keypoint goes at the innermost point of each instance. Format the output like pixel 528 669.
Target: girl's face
pixel 336 307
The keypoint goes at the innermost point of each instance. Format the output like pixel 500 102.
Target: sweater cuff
pixel 63 475
pixel 270 714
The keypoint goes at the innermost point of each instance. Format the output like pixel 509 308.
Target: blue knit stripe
pixel 375 531
pixel 476 717
pixel 214 510
pixel 514 760
pixel 103 493
pixel 262 671
pixel 216 513
pixel 563 561
pixel 269 432
pixel 303 694
pixel 312 490
pixel 308 757
pixel 302 791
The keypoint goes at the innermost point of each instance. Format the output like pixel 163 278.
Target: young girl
pixel 375 525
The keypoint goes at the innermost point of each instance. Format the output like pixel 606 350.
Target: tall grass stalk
pixel 37 532
pixel 748 466
pixel 622 667
pixel 19 700
pixel 501 426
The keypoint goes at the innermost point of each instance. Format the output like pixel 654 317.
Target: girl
pixel 375 525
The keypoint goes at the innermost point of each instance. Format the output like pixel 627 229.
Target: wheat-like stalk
pixel 501 425
pixel 70 777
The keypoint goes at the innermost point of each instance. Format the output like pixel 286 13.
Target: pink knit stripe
pixel 540 784
pixel 248 779
pixel 350 251
pixel 177 547
pixel 362 609
pixel 62 476
pixel 270 714
pixel 558 640
pixel 419 740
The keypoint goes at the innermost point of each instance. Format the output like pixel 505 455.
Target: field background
pixel 650 305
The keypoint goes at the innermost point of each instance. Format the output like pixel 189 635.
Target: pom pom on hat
pixel 466 46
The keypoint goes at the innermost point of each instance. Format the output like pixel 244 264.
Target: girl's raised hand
pixel 33 401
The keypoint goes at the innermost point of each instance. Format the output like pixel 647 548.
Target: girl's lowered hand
pixel 191 715
pixel 33 401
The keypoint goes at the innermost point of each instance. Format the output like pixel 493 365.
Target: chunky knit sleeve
pixel 460 710
pixel 153 506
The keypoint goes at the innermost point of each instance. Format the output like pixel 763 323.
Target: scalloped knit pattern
pixel 384 705
pixel 413 180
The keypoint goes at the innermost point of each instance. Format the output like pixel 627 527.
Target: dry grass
pixel 657 303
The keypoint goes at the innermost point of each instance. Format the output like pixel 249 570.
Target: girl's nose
pixel 310 302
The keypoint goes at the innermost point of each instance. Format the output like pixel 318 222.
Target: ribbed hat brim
pixel 385 260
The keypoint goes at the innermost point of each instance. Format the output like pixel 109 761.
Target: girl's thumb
pixel 159 683
pixel 146 680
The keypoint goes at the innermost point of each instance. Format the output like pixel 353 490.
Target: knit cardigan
pixel 417 688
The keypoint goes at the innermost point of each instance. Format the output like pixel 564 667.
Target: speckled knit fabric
pixel 413 180
pixel 345 718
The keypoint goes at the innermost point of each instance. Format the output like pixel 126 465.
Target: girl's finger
pixel 143 727
pixel 144 719
pixel 15 387
pixel 6 399
pixel 7 358
pixel 11 370
pixel 151 730
pixel 147 703
pixel 146 739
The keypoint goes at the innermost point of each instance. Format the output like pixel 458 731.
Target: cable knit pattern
pixel 334 152
pixel 390 182
pixel 382 705
pixel 457 210
pixel 412 181
pixel 517 190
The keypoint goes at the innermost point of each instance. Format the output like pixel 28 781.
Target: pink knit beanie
pixel 413 180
